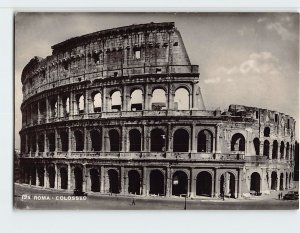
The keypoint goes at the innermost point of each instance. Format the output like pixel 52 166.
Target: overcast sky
pixel 249 59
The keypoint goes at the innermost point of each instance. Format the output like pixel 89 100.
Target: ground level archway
pixel 179 183
pixel 204 184
pixel 255 182
pixel 157 184
pixel 134 182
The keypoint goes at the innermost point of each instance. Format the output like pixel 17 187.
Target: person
pixel 278 196
pixel 281 195
pixel 133 202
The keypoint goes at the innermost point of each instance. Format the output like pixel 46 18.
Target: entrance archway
pixel 113 177
pixel 51 174
pixel 95 180
pixel 181 141
pixel 255 182
pixel 157 184
pixel 227 184
pixel 33 176
pixel 204 184
pixel 134 140
pixel 158 140
pixel 41 176
pixel 134 182
pixel 78 178
pixel 281 181
pixel 274 181
pixel 179 183
pixel 63 178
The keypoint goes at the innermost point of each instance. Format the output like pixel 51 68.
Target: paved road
pixel 57 199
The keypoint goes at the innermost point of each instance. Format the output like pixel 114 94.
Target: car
pixel 291 195
pixel 78 192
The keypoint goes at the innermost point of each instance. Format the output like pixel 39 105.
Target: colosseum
pixel 120 112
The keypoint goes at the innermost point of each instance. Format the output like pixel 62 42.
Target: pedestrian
pixel 133 202
pixel 278 196
pixel 223 196
pixel 281 195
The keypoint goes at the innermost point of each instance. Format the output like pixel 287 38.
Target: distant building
pixel 92 120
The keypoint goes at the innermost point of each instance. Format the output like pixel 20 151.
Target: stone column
pixel 193 139
pixel 102 179
pixel 171 97
pixel 58 106
pixel 47 109
pixel 84 139
pixel 278 181
pixel 217 182
pixel 168 182
pixel 145 182
pixel 69 141
pixel 55 141
pixel 45 143
pixel 122 181
pixel 71 104
pixel 193 183
pixel 69 177
pixel 88 180
pixel 124 99
pixel 38 112
pixel 57 186
pixel 123 142
pixel 104 104
pixel 85 176
pixel 87 101
pixel 45 177
pixel 169 138
pixel 146 98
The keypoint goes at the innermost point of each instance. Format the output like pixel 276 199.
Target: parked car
pixel 291 195
pixel 78 192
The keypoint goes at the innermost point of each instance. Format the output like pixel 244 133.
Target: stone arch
pixel 267 132
pixel 256 144
pixel 274 180
pixel 79 104
pixel 182 99
pixel 95 180
pixel 287 154
pixel 158 140
pixel 205 141
pixel 266 148
pixel 204 184
pixel 41 176
pixel 78 175
pixel 136 100
pixel 53 107
pixel 275 149
pixel 134 182
pixel 179 183
pixel 97 101
pixel 51 175
pixel 33 143
pixel 115 100
pixel 41 143
pixel 135 140
pixel 51 142
pixel 281 151
pixel 79 140
pixel 157 183
pixel 63 178
pixel 281 181
pixel 113 179
pixel 33 175
pixel 114 140
pixel 159 99
pixel 181 140
pixel 64 139
pixel 255 181
pixel 66 105
pixel 96 140
pixel 238 142
pixel 227 184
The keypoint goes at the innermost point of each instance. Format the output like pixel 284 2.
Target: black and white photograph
pixel 156 111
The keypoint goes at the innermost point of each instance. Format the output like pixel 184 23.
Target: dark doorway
pixel 113 177
pixel 274 181
pixel 227 185
pixel 79 140
pixel 256 143
pixel 275 150
pixel 33 176
pixel 266 148
pixel 181 141
pixel 204 142
pixel 63 178
pixel 51 140
pixel 134 140
pixel 41 143
pixel 64 141
pixel 255 182
pixel 179 183
pixel 95 180
pixel 96 140
pixel 114 139
pixel 51 174
pixel 157 184
pixel 41 176
pixel 134 182
pixel 78 178
pixel 281 181
pixel 204 184
pixel 157 140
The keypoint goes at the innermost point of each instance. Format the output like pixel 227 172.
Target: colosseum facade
pixel 120 111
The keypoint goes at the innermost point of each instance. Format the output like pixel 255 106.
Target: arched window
pixel 287 154
pixel 113 178
pixel 255 182
pixel 158 140
pixel 116 102
pixel 66 106
pixel 275 149
pixel 205 141
pixel 204 184
pixel 80 104
pixel 179 183
pixel 266 148
pixel 256 144
pixel 53 108
pixel 134 140
pixel 136 100
pixel 274 180
pixel 281 150
pixel 157 183
pixel 96 140
pixel 41 142
pixel 51 175
pixel 182 99
pixel 237 142
pixel 51 141
pixel 78 178
pixel 79 140
pixel 159 100
pixel 33 143
pixel 64 141
pixel 97 102
pixel 134 182
pixel 63 178
pixel 114 139
pixel 95 180
pixel 267 132
pixel 181 141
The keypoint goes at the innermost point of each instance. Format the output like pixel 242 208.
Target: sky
pixel 250 59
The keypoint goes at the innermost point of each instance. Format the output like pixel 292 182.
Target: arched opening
pixel 181 141
pixel 79 141
pixel 159 100
pixel 113 178
pixel 136 100
pixel 33 143
pixel 266 148
pixel 114 140
pixel 78 178
pixel 134 140
pixel 256 144
pixel 41 143
pixel 281 181
pixel 95 180
pixel 41 176
pixel 182 99
pixel 205 141
pixel 281 150
pixel 43 112
pixel 237 142
pixel 33 175
pixel 116 102
pixel 80 104
pixel 287 154
pixel 53 108
pixel 134 185
pixel 66 106
pixel 275 149
pixel 63 178
pixel 255 182
pixel 51 175
pixel 97 102
pixel 227 185
pixel 179 183
pixel 204 184
pixel 157 184
pixel 274 180
pixel 158 140
pixel 267 132
pixel 64 141
pixel 51 141
pixel 96 140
